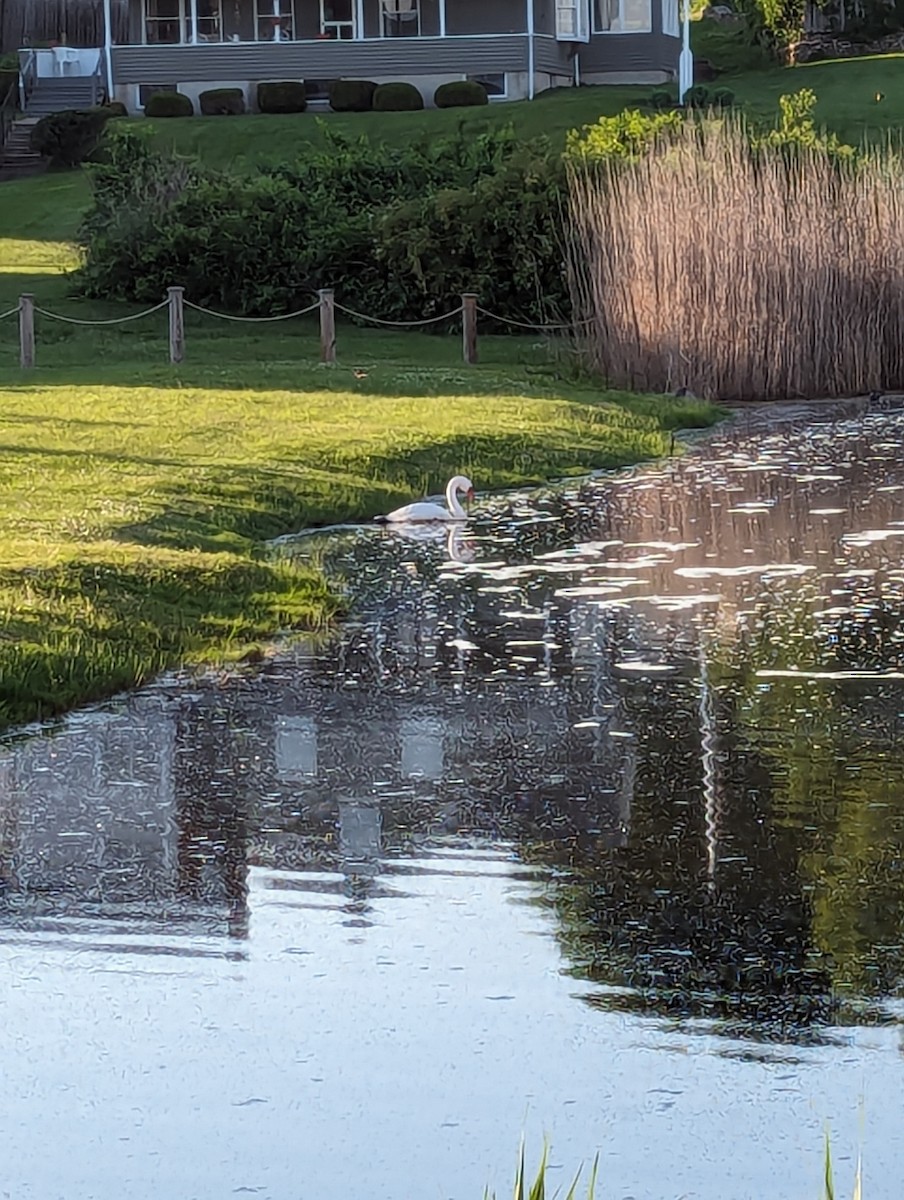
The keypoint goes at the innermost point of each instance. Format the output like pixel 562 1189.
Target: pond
pixel 588 824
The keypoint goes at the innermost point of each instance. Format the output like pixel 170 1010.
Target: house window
pixel 572 21
pixel 337 19
pixel 670 18
pixel 163 22
pixel 169 22
pixel 401 18
pixel 274 20
pixel 622 16
pixel 494 85
pixel 210 24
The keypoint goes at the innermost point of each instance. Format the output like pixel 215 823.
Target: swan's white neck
pixel 452 499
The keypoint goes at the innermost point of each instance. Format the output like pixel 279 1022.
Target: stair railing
pixel 28 76
pixel 8 109
pixel 98 82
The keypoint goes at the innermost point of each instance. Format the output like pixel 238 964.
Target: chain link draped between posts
pixel 325 304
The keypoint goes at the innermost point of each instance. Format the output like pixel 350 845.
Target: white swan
pixel 424 510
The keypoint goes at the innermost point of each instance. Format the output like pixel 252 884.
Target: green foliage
pixel 222 102
pixel 778 23
pixel 697 97
pixel 662 101
pixel 398 232
pixel 797 130
pixel 460 93
pixel 169 104
pixel 70 137
pixel 625 136
pixel 704 97
pixel 287 96
pixel 114 108
pixel 397 97
pixel 352 95
pixel 537 1190
pixel 453 239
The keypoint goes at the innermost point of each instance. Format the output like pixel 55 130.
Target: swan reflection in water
pixel 459 547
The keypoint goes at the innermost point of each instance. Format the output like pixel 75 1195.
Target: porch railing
pixel 28 77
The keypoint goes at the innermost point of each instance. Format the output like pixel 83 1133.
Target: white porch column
pixel 108 43
pixel 442 18
pixel 359 18
pixel 194 22
pixel 686 58
pixel 277 32
pixel 530 49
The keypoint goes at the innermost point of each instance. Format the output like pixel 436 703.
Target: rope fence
pixel 325 304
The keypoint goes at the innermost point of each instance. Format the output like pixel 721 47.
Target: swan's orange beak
pixel 470 495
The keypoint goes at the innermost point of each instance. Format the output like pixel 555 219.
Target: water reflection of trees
pixel 716 843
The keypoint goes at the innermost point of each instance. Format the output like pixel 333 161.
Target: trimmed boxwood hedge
pixel 460 93
pixel 397 97
pixel 169 104
pixel 222 102
pixel 287 96
pixel 352 95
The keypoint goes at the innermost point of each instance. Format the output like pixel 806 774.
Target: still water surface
pixel 590 824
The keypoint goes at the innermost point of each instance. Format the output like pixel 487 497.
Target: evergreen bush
pixel 397 97
pixel 287 96
pixel 352 95
pixel 169 104
pixel 460 93
pixel 222 102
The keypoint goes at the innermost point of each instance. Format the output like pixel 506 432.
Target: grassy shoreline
pixel 135 497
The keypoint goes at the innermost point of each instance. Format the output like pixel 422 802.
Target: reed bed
pixel 737 272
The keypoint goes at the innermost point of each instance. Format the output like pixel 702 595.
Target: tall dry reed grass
pixel 740 274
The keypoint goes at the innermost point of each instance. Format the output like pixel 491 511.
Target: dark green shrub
pixel 722 98
pixel 222 102
pixel 697 97
pixel 662 101
pixel 460 93
pixel 114 108
pixel 352 95
pixel 285 97
pixel 70 137
pixel 397 97
pixel 9 79
pixel 169 104
pixel 397 231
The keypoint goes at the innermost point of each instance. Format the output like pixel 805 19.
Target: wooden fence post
pixel 327 326
pixel 469 327
pixel 176 324
pixel 27 331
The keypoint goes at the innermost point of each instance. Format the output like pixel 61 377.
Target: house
pixel 516 48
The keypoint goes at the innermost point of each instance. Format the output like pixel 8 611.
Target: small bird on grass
pixel 359 374
pixel 880 96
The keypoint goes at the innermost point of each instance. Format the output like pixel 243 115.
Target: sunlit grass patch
pixel 135 496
